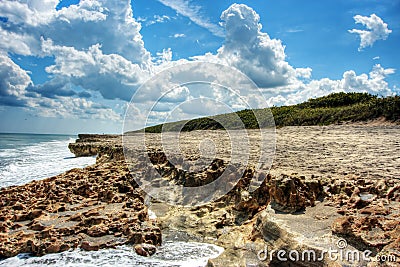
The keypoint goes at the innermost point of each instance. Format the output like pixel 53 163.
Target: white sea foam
pixel 22 164
pixel 179 254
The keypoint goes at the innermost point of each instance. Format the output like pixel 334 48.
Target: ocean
pixel 27 157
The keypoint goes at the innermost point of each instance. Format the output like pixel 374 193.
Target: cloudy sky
pixel 73 66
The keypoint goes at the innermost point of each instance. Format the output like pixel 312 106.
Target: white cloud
pixel 13 82
pixel 80 26
pixel 17 43
pixel 294 30
pixel 184 8
pixel 72 34
pixel 303 72
pixel 112 75
pixel 373 83
pixel 97 46
pixel 264 60
pixel 179 35
pixel 68 107
pixel 203 107
pixel 161 19
pixel 154 20
pixel 162 58
pixel 376 30
pixel 253 51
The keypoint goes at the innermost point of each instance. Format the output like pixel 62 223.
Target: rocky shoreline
pixel 91 208
pixel 327 183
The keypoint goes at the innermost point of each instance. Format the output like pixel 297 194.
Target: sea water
pixel 27 157
pixel 170 254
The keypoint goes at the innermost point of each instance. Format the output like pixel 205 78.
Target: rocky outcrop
pixel 304 212
pixel 292 194
pixel 106 147
pixel 92 208
pixel 370 210
pixel 317 192
pixel 225 221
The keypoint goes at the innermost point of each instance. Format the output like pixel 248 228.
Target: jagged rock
pixel 45 223
pixel 97 230
pixel 375 209
pixel 291 194
pixel 89 246
pixel 365 232
pixel 54 247
pixel 145 250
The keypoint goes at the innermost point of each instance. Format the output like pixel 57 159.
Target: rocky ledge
pixel 316 194
pixel 91 208
pixel 327 184
pixel 108 146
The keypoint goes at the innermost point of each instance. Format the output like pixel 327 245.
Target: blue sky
pixel 70 66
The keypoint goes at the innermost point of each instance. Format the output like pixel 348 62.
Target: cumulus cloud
pixel 203 107
pixel 87 23
pixel 252 51
pixel 374 83
pixel 162 58
pixel 49 99
pixel 303 73
pixel 85 94
pixel 111 74
pixel 13 82
pixel 184 8
pixel 68 107
pixel 263 59
pixel 376 30
pixel 98 50
pixel 52 88
pixel 72 36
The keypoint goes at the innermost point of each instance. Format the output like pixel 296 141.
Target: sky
pixel 74 66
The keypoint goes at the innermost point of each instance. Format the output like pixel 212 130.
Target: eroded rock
pixel 79 208
pixel 145 250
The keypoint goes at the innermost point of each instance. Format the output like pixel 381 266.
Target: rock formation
pixel 316 193
pixel 91 208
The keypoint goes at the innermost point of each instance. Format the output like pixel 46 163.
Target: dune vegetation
pixel 331 109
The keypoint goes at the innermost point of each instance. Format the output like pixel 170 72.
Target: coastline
pixel 342 187
pixel 27 157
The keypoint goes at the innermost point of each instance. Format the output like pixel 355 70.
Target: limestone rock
pixel 70 210
pixel 145 250
pixel 291 194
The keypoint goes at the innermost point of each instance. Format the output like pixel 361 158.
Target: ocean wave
pixel 171 254
pixel 34 161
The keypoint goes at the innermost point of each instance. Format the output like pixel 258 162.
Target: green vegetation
pixel 334 108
